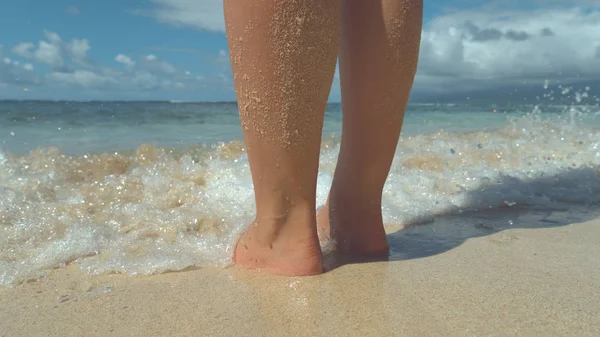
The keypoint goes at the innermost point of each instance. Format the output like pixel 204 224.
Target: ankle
pixel 296 223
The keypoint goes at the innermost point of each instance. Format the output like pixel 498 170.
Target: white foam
pixel 115 213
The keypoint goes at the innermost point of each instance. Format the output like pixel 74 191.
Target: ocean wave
pixel 158 209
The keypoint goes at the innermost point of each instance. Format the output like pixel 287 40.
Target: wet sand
pixel 522 281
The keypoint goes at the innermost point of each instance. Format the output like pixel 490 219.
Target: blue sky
pixel 176 49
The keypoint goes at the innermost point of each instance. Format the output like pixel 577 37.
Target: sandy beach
pixel 521 281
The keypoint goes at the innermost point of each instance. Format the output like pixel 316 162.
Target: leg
pixel 283 56
pixel 378 60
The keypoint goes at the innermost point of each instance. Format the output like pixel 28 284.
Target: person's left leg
pixel 283 55
pixel 378 61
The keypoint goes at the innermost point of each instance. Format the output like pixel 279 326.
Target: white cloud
pixel 54 50
pixel 489 47
pixel 13 72
pixel 125 60
pixel 50 54
pixel 79 48
pixel 223 57
pixel 222 61
pixel 84 78
pixel 23 49
pixel 480 48
pixel 53 37
pixel 204 14
pixel 71 68
pixel 150 74
pixel 154 65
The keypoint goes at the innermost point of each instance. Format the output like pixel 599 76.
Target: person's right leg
pixel 283 55
pixel 378 61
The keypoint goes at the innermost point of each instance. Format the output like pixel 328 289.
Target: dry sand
pixel 543 281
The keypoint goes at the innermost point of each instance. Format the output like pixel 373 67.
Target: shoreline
pixel 512 282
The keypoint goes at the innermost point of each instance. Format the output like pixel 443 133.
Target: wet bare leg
pixel 283 55
pixel 378 61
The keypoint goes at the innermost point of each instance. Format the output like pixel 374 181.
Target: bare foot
pixel 351 232
pixel 288 254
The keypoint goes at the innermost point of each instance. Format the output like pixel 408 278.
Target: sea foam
pixel 158 209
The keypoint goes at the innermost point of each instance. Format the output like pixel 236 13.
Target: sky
pixel 177 49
